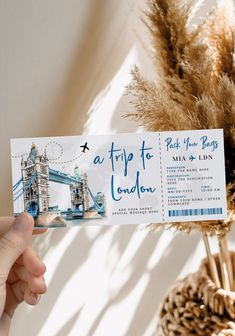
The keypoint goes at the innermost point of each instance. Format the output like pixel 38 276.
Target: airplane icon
pixel 191 158
pixel 85 147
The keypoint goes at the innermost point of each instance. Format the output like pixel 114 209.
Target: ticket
pixel 127 178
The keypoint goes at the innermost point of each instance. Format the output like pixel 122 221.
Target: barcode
pixel 195 212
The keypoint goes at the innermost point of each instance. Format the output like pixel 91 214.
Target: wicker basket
pixel 194 306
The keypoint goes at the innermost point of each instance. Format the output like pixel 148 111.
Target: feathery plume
pixel 197 88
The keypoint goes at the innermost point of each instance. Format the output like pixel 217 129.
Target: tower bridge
pixel 60 177
pixel 33 186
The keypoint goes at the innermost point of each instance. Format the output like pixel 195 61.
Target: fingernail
pixel 35 298
pixel 44 266
pixel 23 222
pixel 45 285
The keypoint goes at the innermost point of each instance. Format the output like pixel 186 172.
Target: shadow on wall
pixel 69 325
pixel 68 265
pixel 96 59
pixel 76 95
pixel 159 278
pixel 94 64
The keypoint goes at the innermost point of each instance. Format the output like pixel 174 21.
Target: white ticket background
pixel 193 175
pixel 131 178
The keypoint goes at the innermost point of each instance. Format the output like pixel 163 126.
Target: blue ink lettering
pixel 209 144
pixel 111 156
pixel 136 188
pixel 144 155
pixel 124 157
pixel 98 160
pixel 189 144
pixel 172 145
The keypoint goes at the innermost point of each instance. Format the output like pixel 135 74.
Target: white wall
pixel 63 68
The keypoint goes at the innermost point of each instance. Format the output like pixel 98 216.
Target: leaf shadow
pixel 69 324
pixel 68 265
pixel 159 281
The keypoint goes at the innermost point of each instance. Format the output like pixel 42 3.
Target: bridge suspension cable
pixel 98 207
pixel 15 186
pixel 26 187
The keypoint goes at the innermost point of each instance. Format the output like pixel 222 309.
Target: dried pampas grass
pixel 197 83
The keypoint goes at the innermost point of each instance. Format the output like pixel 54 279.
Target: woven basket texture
pixel 195 306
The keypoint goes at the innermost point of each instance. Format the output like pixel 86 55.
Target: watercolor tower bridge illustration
pixel 34 187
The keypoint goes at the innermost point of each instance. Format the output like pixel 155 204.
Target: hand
pixel 21 271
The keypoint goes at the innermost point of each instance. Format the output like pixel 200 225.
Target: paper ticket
pixel 120 178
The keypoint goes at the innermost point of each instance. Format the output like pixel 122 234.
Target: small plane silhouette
pixel 191 158
pixel 84 147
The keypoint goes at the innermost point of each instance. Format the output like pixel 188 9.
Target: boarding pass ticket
pixel 127 178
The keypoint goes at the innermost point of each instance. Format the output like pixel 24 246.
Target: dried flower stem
pixel 211 261
pixel 227 260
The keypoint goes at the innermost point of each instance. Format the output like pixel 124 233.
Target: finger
pixel 39 231
pixel 32 262
pixel 12 277
pixel 5 322
pixel 13 243
pixel 17 273
pixel 6 223
pixel 18 289
pixel 15 295
pixel 35 283
pixel 31 298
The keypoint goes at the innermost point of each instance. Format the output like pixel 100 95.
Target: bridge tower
pixel 35 174
pixel 77 196
pixel 85 191
pixel 100 200
pixel 79 191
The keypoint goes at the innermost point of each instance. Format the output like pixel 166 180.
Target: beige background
pixel 64 65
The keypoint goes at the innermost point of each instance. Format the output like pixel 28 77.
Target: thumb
pixel 14 242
